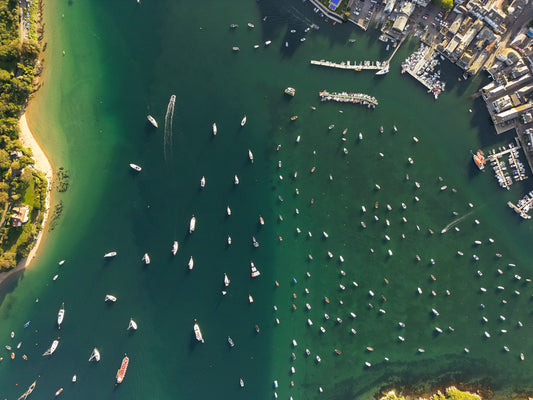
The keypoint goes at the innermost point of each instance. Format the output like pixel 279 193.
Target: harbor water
pixel 310 185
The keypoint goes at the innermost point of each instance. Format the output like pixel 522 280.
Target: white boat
pixel 111 298
pixel 250 25
pixel 250 298
pixel 229 239
pixel 132 325
pixel 214 129
pixel 191 263
pixel 202 181
pixel 95 355
pixel 55 277
pixel 250 155
pixel 74 378
pixel 61 262
pixel 110 254
pixel 146 258
pixel 255 272
pixel 152 120
pixel 135 167
pixel 236 179
pixel 192 224
pixel 198 333
pixel 174 248
pixel 228 211
pixel 268 42
pixel 226 280
pixel 61 315
pixel 241 382
pixel 243 121
pixel 52 348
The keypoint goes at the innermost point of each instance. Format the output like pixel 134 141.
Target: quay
pixel 346 97
pixel 420 65
pixel 363 65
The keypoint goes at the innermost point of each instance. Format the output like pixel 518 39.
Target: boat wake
pixel 167 138
pixel 455 222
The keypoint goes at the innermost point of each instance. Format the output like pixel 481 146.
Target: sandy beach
pixel 42 164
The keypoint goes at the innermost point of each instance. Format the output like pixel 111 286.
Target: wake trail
pixel 455 222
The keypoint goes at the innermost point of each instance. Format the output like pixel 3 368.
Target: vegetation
pixel 20 183
pixel 444 4
pixel 451 393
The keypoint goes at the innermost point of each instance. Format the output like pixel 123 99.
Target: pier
pixel 420 65
pixel 524 205
pixel 346 97
pixel 371 65
pixel 500 168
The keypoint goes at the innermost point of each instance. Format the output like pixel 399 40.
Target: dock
pixel 500 167
pixel 345 97
pixel 420 65
pixel 524 205
pixel 355 66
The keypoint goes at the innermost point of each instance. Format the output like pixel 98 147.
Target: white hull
pixel 192 224
pixel 110 254
pixel 61 315
pixel 198 333
pixel 214 129
pixel 152 121
pixel 243 122
pixel 132 325
pixel 52 348
pixel 226 280
pixel 111 298
pixel 146 259
pixel 135 167
pixel 95 355
pixel 191 263
pixel 174 248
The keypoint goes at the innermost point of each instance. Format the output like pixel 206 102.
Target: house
pixel 20 215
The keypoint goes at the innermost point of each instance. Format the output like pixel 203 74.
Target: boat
pixel 243 121
pixel 230 341
pixel 250 25
pixel 294 117
pixel 198 333
pixel 236 179
pixel 381 129
pixel 250 155
pixel 235 48
pixel 395 129
pixel 123 368
pixel 228 211
pixel 132 325
pixel 255 243
pixel 74 378
pixel 61 315
pixel 111 298
pixel 479 159
pixel 233 26
pixel 214 129
pixel 52 348
pixel 202 182
pixel 255 272
pixel 135 167
pixel 152 121
pixel 28 392
pixel 191 263
pixel 61 262
pixel 95 355
pixel 331 126
pixel 229 239
pixel 146 258
pixel 268 42
pixel 55 277
pixel 241 382
pixel 192 224
pixel 261 220
pixel 174 248
pixel 290 91
pixel 250 298
pixel 59 392
pixel 226 280
pixel 110 254
pixel 257 328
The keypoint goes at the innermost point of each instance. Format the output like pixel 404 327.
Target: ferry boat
pixel 95 355
pixel 243 121
pixel 174 248
pixel 198 333
pixel 146 258
pixel 110 254
pixel 152 121
pixel 192 224
pixel 109 297
pixel 214 129
pixel 135 167
pixel 52 348
pixel 226 280
pixel 123 368
pixel 290 91
pixel 61 315
pixel 479 159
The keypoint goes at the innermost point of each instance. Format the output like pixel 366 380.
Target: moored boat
pixel 230 342
pixel 226 280
pixel 250 155
pixel 243 121
pixel 214 129
pixel 236 179
pixel 132 325
pixel 174 247
pixel 152 120
pixel 290 91
pixel 74 378
pixel 52 348
pixel 202 182
pixel 121 373
pixel 250 25
pixel 191 263
pixel 255 272
pixel 95 355
pixel 198 333
pixel 146 258
pixel 192 224
pixel 241 382
pixel 110 254
pixel 479 159
pixel 59 392
pixel 109 297
pixel 135 167
pixel 61 315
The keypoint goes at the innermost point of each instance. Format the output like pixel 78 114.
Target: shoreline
pixel 42 164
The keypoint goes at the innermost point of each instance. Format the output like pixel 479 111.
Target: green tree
pixel 5 161
pixel 8 261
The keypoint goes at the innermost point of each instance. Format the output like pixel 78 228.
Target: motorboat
pixel 52 348
pixel 123 368
pixel 198 333
pixel 268 42
pixel 146 258
pixel 241 382
pixel 250 298
pixel 233 26
pixel 135 167
pixel 61 315
pixel 61 262
pixel 191 263
pixel 59 392
pixel 110 254
pixel 55 277
pixel 395 129
pixel 230 341
pixel 74 378
pixel 255 243
pixel 192 224
pixel 250 25
pixel 174 248
pixel 236 179
pixel 226 280
pixel 290 91
pixel 261 220
pixel 132 325
pixel 111 298
pixel 202 182
pixel 243 121
pixel 228 211
pixel 152 121
pixel 95 355
pixel 250 155
pixel 214 129
pixel 235 48
pixel 381 129
pixel 229 239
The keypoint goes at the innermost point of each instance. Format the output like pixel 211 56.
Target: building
pixel 20 215
pixel 405 11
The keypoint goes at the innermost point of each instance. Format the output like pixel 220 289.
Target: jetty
pixel 420 65
pixel 504 173
pixel 345 97
pixel 355 66
pixel 523 206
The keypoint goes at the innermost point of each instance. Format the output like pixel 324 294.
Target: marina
pixel 421 66
pixel 508 172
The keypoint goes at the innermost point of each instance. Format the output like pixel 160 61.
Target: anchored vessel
pixel 152 120
pixel 123 368
pixel 61 315
pixel 52 348
pixel 95 355
pixel 290 91
pixel 198 333
pixel 479 159
pixel 135 167
pixel 192 224
pixel 174 248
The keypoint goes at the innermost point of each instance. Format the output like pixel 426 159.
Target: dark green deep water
pixel 123 60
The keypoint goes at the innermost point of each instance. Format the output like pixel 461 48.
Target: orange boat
pixel 294 117
pixel 479 159
pixel 123 368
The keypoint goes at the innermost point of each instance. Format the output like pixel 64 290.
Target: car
pixel 425 16
pixel 440 14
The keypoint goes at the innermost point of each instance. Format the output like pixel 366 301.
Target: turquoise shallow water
pixel 91 116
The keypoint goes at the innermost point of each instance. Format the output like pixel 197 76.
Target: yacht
pixel 250 25
pixel 52 348
pixel 255 272
pixel 111 298
pixel 250 298
pixel 61 315
pixel 230 341
pixel 110 254
pixel 214 129
pixel 241 382
pixel 135 167
pixel 132 325
pixel 228 211
pixel 250 155
pixel 243 121
pixel 95 355
pixel 61 262
pixel 59 392
pixel 202 182
pixel 198 333
pixel 191 263
pixel 123 368
pixel 236 179
pixel 226 280
pixel 146 258
pixel 174 248
pixel 152 121
pixel 74 378
pixel 192 224
pixel 268 42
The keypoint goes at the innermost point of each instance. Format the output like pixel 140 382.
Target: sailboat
pixel 174 248
pixel 243 122
pixel 202 181
pixel 28 392
pixel 191 263
pixel 61 315
pixel 95 355
pixel 132 325
pixel 214 129
pixel 52 348
pixel 146 258
pixel 192 224
pixel 226 280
